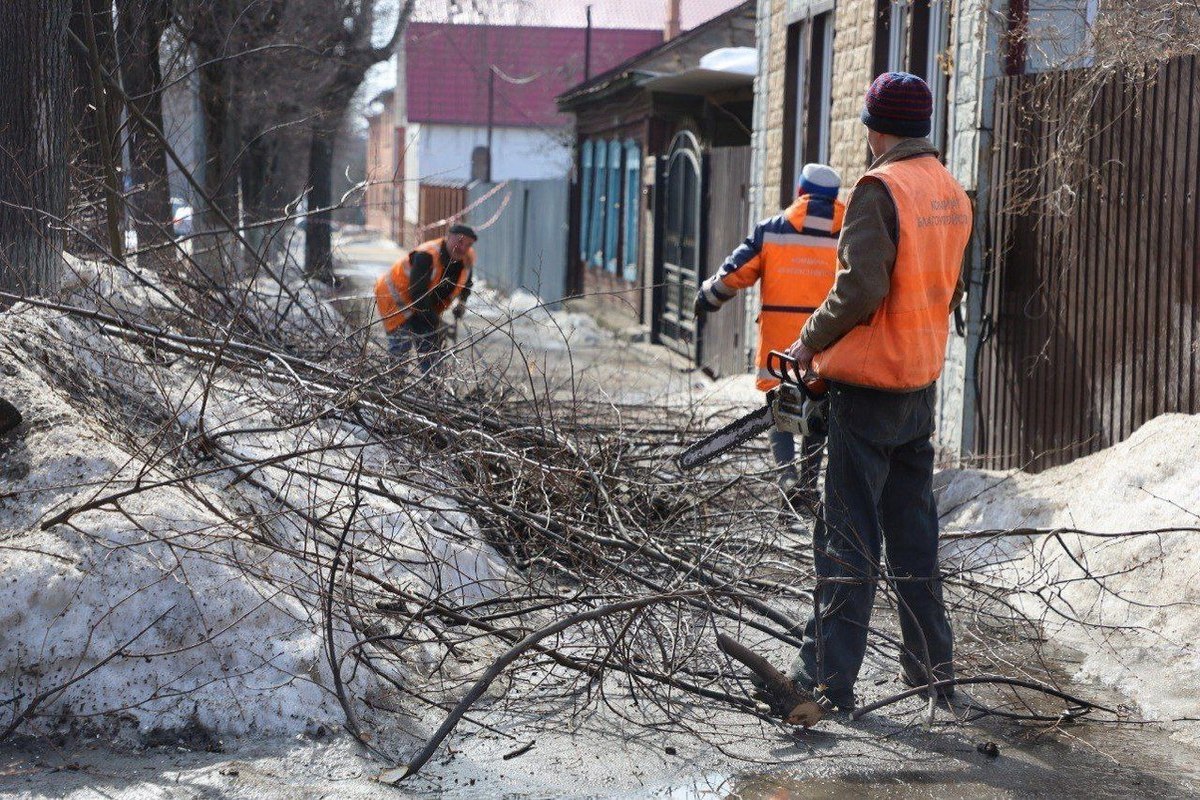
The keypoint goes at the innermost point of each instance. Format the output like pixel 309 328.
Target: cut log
pixel 795 706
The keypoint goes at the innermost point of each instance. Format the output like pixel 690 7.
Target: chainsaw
pixel 795 406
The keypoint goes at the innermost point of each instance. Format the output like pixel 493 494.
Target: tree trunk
pixel 139 30
pixel 217 251
pixel 94 116
pixel 33 142
pixel 318 256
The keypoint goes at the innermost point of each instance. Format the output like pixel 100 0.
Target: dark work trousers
pixel 404 340
pixel 783 447
pixel 878 493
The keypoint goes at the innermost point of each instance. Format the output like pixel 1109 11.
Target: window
pixel 809 98
pixel 585 200
pixel 610 185
pixel 613 209
pixel 596 221
pixel 633 186
pixel 820 90
pixel 914 37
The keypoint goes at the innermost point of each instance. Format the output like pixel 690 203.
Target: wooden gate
pixel 439 202
pixel 1091 296
pixel 723 334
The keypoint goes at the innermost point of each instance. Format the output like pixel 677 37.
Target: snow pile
pixel 530 322
pixel 1137 618
pixel 192 598
pixel 738 60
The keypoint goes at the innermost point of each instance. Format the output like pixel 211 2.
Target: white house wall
pixel 519 153
pixel 412 172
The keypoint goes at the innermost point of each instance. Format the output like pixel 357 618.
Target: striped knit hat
pixel 898 103
pixel 819 179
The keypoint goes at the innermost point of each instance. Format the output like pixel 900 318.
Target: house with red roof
pixel 476 102
pixel 475 96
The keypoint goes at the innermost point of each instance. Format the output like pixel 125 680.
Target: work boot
pixel 788 482
pixel 914 680
pixel 803 500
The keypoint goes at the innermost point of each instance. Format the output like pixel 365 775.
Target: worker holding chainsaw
pixel 794 256
pixel 414 293
pixel 879 340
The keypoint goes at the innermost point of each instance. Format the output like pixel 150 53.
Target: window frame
pixel 631 223
pixel 585 199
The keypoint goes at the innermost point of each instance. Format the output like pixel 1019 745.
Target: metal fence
pixel 1092 284
pixel 522 228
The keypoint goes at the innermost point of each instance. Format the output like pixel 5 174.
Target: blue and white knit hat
pixel 819 179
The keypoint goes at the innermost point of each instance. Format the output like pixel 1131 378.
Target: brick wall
pixel 853 43
pixel 775 68
pixel 974 43
pixel 381 175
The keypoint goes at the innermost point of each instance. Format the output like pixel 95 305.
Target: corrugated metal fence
pixel 522 235
pixel 1092 300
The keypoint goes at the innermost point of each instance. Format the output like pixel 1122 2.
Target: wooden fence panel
pixel 1091 299
pixel 438 203
pixel 724 350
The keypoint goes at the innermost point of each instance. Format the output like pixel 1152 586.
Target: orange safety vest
pixel 902 347
pixel 798 271
pixel 393 290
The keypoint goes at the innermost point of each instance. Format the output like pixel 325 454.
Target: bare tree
pixel 95 185
pixel 140 26
pixel 350 27
pixel 33 142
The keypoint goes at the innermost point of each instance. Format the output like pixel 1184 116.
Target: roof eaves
pixel 628 65
pixel 580 95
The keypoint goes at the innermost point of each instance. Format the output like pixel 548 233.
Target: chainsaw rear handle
pixel 786 369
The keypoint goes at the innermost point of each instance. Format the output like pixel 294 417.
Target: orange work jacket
pixel 902 347
pixel 393 290
pixel 794 254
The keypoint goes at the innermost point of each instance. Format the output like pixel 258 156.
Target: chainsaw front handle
pixel 786 369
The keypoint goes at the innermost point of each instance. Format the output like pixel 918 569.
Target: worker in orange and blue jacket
pixel 794 255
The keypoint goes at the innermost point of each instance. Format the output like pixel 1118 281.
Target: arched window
pixel 681 242
pixel 585 200
pixel 613 211
pixel 633 188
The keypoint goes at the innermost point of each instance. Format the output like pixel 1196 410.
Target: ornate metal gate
pixel 678 268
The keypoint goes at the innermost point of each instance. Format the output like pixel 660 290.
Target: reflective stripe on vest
pixel 903 346
pixel 392 290
pixel 798 271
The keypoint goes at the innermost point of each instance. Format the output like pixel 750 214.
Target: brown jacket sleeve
pixel 866 254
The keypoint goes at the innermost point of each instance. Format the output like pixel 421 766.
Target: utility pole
pixel 491 117
pixel 587 47
pixel 673 21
